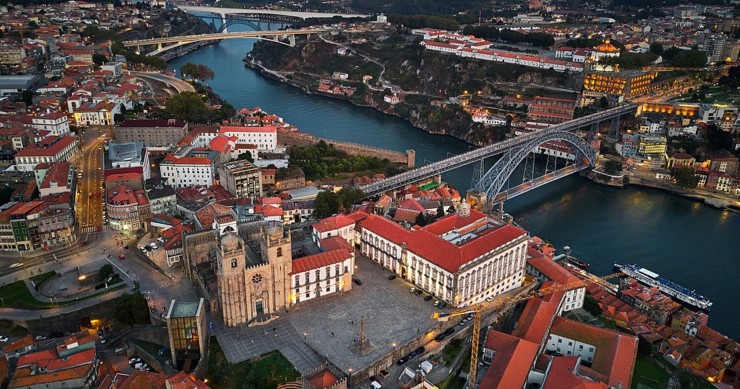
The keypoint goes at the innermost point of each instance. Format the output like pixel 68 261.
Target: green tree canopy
pixel 326 204
pixel 99 59
pixel 198 72
pixel 188 106
pixel 132 309
pixel 686 177
pixel 105 271
pixel 348 196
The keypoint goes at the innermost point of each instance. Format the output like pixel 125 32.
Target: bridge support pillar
pixel 223 24
pixel 477 199
pixel 292 40
pixel 614 128
pixel 159 46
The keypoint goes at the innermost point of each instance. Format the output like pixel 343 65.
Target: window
pixel 280 252
pixel 233 262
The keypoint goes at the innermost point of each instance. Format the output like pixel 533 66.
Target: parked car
pixel 121 256
pixel 449 331
pixel 391 277
pixel 489 299
pixel 402 361
pixel 3 338
pixel 427 297
pixel 134 361
pixel 412 290
pixel 440 337
pixel 357 281
pixel 418 292
pixel 440 304
pixel 419 350
pixel 118 351
pixel 40 337
pixel 83 243
pixel 102 340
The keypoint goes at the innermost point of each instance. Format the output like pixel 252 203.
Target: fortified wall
pixel 292 139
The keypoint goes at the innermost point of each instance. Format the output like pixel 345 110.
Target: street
pixel 90 195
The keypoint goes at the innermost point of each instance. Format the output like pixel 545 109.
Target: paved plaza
pixel 331 325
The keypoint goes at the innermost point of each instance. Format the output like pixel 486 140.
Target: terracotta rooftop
pixel 47 147
pixel 512 361
pixel 182 380
pixel 615 352
pixel 320 260
pixel 333 223
pixel 144 380
pixel 563 375
pixel 324 379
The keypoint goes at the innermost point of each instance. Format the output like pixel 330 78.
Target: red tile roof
pixel 562 375
pixel 19 344
pixel 425 243
pixel 615 351
pixel 324 379
pixel 512 362
pixel 333 223
pixel 262 129
pixel 47 147
pixel 535 319
pixel 320 260
pixel 183 381
pixel 144 380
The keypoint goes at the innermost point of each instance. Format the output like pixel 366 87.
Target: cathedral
pixel 247 283
pixel 252 290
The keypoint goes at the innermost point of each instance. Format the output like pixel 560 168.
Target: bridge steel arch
pixel 496 177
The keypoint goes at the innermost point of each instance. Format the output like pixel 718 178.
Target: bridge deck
pixel 539 181
pixel 477 155
pixel 216 36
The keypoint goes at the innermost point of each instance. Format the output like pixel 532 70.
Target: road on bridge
pixel 477 155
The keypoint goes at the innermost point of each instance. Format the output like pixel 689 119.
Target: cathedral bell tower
pixel 231 261
pixel 276 253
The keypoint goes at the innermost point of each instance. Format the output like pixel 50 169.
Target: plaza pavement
pixel 392 316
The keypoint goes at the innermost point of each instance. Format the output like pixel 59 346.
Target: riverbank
pixel 715 201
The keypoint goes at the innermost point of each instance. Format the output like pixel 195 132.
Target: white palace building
pixel 462 258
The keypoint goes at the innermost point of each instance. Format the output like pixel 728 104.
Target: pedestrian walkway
pixel 242 343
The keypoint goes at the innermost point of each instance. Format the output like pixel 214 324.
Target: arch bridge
pixel 169 43
pixel 489 184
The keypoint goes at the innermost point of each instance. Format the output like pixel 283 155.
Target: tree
pixel 246 156
pixel 105 271
pixel 99 59
pixel 132 309
pixel 326 204
pixel 686 177
pixel 656 48
pixel 189 70
pixel 348 196
pixel 612 167
pixel 421 220
pixel 690 59
pixel 188 106
pixel 27 97
pixel 592 306
pixel 196 72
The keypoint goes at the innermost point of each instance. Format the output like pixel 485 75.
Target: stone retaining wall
pixel 292 139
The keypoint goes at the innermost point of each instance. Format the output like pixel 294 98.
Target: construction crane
pixel 508 302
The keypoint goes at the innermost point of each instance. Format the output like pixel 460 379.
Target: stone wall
pixel 292 139
pixel 69 322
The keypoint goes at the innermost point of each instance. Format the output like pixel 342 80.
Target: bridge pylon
pixel 614 128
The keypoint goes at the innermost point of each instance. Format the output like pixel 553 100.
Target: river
pixel 689 243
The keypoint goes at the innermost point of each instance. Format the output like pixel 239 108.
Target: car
pixel 83 244
pixel 134 361
pixel 40 337
pixel 449 331
pixel 121 256
pixel 97 195
pixel 489 299
pixel 440 304
pixel 413 290
pixel 427 297
pixel 357 281
pixel 102 340
pixel 391 277
pixel 118 351
pixel 418 292
pixel 100 332
pixel 402 361
pixel 419 350
pixel 3 338
pixel 440 337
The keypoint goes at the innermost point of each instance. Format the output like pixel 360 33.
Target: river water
pixel 689 243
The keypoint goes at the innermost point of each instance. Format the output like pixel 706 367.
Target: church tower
pixel 276 253
pixel 231 262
